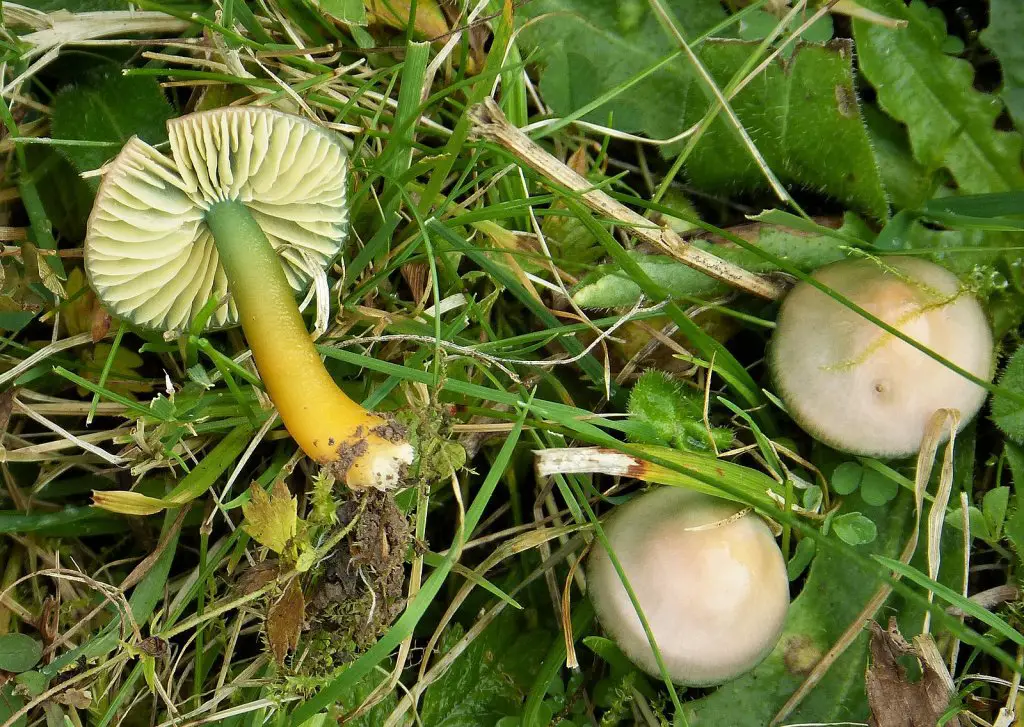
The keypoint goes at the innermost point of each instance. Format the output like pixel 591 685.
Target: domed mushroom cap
pixel 859 389
pixel 712 584
pixel 148 252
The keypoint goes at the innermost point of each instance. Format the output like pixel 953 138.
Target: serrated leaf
pixel 110 108
pixel 1007 413
pixel 802 113
pixel 854 528
pixel 1003 37
pixel 271 521
pixel 19 652
pixel 950 123
pixel 609 287
pixel 284 621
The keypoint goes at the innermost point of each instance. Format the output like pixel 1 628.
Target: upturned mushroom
pixel 859 389
pixel 249 202
pixel 709 579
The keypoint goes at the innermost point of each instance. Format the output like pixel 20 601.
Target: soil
pixel 361 590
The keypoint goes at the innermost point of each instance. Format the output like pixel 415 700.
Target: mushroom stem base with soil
pixel 364 449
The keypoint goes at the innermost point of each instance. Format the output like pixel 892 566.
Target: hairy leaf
pixel 1003 37
pixel 673 415
pixel 1007 413
pixel 109 108
pixel 950 124
pixel 271 521
pixel 802 112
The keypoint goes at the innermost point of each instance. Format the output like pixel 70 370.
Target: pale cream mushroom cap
pixel 148 251
pixel 711 583
pixel 859 389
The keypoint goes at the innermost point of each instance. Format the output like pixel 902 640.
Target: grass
pixel 448 308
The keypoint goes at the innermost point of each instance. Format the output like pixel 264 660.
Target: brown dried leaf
pixel 100 323
pixel 255 577
pixel 417 276
pixel 894 700
pixel 77 698
pixel 6 407
pixel 284 621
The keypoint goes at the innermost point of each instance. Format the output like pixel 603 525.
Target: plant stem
pixel 326 423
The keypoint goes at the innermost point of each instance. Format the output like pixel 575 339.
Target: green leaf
pixel 847 477
pixel 789 110
pixel 877 489
pixel 109 108
pixel 909 183
pixel 490 679
pixel 1007 413
pixel 610 287
pixel 77 6
pixel 950 123
pixel 32 682
pixel 994 507
pixel 854 528
pixel 1003 37
pixel 66 197
pixel 802 557
pixel 673 415
pixel 9 704
pixel 610 652
pixel 976 520
pixel 19 652
pixel 347 11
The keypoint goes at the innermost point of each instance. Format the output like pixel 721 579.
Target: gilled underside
pixel 150 254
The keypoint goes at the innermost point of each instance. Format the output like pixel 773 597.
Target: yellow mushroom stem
pixel 363 449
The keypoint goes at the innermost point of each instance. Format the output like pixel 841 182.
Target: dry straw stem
pixel 489 123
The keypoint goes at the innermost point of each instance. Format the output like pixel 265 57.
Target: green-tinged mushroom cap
pixel 149 252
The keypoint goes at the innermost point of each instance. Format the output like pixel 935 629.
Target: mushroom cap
pixel 148 252
pixel 711 583
pixel 859 389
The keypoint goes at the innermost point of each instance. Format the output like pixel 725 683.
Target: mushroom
pixel 861 390
pixel 251 201
pixel 707 575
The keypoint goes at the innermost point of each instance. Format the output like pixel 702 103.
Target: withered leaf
pixel 284 621
pixel 255 577
pixel 77 698
pixel 895 701
pixel 271 521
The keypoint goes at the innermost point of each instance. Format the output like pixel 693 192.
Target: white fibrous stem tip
pixel 383 468
pixel 572 460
